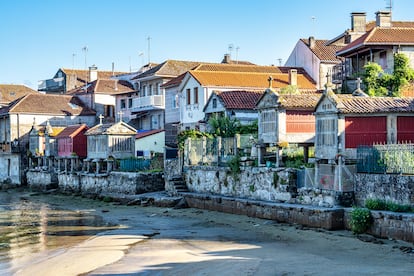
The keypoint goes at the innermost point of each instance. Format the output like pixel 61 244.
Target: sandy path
pixel 165 241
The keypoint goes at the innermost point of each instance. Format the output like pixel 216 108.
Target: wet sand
pixel 167 241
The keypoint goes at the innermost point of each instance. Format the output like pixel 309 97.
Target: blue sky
pixel 39 37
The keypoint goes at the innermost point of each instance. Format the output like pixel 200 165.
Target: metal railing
pixel 390 158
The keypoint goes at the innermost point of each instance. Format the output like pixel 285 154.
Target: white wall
pixel 155 143
pixel 172 114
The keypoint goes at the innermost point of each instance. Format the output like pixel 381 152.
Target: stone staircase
pixel 179 184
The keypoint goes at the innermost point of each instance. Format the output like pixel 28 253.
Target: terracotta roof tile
pixel 38 103
pixel 148 133
pixel 71 131
pixel 322 51
pixel 395 24
pixel 249 80
pixel 246 68
pixel 82 76
pixel 239 99
pixel 120 128
pixel 170 68
pixel 381 36
pixel 11 92
pixel 361 105
pixel 299 101
pixel 105 86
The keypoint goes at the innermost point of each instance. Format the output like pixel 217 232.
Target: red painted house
pixel 72 140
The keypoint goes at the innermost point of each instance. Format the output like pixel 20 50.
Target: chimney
pixel 358 22
pixel 293 77
pixel 383 18
pixel 226 59
pixel 311 42
pixel 93 73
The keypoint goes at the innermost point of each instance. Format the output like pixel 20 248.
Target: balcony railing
pixel 148 103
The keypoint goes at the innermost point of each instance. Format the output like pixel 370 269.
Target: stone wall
pixel 387 225
pixel 258 183
pixel 94 185
pixel 319 217
pixel 396 188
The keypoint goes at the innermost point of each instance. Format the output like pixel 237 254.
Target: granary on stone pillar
pixel 286 119
pixel 107 142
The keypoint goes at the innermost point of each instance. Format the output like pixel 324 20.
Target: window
pixel 176 103
pixel 150 90
pixel 188 96
pixel 144 91
pixel 325 132
pixel 130 103
pixel 268 121
pixel 383 60
pixel 195 95
pixel 123 104
pixel 214 103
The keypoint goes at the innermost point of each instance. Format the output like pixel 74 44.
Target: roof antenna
pixel 231 46
pixel 149 49
pixel 389 7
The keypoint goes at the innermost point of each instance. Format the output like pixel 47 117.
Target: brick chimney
pixel 358 22
pixel 293 77
pixel 383 18
pixel 93 73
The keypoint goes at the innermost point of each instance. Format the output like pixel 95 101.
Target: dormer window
pixel 214 103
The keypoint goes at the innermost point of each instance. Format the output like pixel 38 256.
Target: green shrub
pixel 375 204
pixel 361 220
pixel 394 207
pixel 378 204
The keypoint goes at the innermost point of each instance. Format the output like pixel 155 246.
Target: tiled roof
pixel 239 99
pixel 246 68
pixel 299 101
pixel 249 80
pixel 322 51
pixel 171 68
pixel 381 36
pixel 11 92
pixel 175 81
pixel 395 24
pixel 361 105
pixel 148 133
pixel 71 131
pixel 38 103
pixel 105 86
pixel 82 76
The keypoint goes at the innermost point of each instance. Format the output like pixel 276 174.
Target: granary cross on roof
pixel 270 80
pixel 100 119
pixel 120 113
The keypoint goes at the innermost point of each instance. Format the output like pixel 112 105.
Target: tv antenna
pixel 231 46
pixel 85 50
pixel 149 49
pixel 237 54
pixel 280 61
pixel 389 7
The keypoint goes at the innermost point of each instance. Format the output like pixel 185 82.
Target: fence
pixel 216 151
pixel 134 165
pixel 329 177
pixel 391 158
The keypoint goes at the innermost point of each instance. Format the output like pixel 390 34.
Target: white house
pixel 316 56
pixel 199 84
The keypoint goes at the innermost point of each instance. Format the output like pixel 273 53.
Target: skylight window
pixel 73 106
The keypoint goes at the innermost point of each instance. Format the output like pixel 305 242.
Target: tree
pixel 379 83
pixel 223 126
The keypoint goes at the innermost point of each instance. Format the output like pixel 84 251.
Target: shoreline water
pixel 168 241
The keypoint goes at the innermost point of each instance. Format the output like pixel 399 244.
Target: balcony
pixel 148 103
pixel 51 85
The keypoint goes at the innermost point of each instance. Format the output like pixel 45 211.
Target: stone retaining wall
pixel 257 183
pixel 399 226
pixel 392 187
pixel 93 185
pixel 319 217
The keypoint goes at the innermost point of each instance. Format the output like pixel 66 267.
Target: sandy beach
pixel 168 241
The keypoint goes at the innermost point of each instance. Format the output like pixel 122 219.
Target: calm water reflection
pixel 29 228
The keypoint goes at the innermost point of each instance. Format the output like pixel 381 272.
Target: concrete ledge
pixel 311 216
